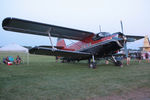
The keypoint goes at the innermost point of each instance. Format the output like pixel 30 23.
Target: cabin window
pixel 100 35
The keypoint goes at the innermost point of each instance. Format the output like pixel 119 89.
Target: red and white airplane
pixel 89 46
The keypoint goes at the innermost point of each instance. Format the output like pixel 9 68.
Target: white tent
pixel 14 47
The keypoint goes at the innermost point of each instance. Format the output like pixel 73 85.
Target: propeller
pixel 125 40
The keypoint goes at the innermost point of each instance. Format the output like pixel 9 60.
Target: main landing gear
pixel 117 63
pixel 92 64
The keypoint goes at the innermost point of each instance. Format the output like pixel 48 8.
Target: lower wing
pixel 58 52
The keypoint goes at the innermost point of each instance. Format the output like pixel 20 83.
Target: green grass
pixel 43 79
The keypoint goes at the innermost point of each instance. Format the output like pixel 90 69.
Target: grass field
pixel 44 79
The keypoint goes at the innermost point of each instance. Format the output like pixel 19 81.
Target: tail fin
pixel 61 42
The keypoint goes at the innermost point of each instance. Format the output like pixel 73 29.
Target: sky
pixel 84 15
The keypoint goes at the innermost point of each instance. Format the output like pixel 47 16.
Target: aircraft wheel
pixel 92 65
pixel 119 63
pixel 64 61
pixel 68 61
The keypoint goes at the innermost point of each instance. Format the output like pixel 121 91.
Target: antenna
pixel 100 28
pixel 121 26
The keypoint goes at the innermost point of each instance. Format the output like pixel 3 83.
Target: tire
pixel 118 63
pixel 92 65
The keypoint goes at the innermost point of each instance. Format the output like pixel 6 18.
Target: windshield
pixel 104 34
pixel 101 35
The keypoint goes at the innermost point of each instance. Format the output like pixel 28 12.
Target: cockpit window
pixel 104 34
pixel 101 35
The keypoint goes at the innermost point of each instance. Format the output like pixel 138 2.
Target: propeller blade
pixel 125 41
pixel 125 49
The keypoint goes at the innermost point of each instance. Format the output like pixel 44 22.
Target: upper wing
pixel 30 27
pixel 58 52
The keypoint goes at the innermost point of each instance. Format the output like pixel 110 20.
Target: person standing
pixel 128 60
pixel 139 56
pixel 147 57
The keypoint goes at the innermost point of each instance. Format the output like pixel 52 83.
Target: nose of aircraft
pixel 121 36
pixel 124 38
pixel 124 42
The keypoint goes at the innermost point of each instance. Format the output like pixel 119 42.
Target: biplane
pixel 90 46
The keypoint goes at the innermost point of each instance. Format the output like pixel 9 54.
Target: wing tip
pixel 6 22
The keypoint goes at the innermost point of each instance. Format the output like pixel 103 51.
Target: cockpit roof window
pixel 100 35
pixel 104 34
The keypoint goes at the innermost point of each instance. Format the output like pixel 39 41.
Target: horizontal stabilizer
pixel 131 37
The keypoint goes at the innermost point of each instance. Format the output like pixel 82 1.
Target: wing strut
pixel 49 34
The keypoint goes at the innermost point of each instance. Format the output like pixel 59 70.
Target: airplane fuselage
pixel 99 47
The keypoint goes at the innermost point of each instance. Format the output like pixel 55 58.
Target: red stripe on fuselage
pixel 86 43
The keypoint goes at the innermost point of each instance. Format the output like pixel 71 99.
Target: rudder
pixel 61 42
